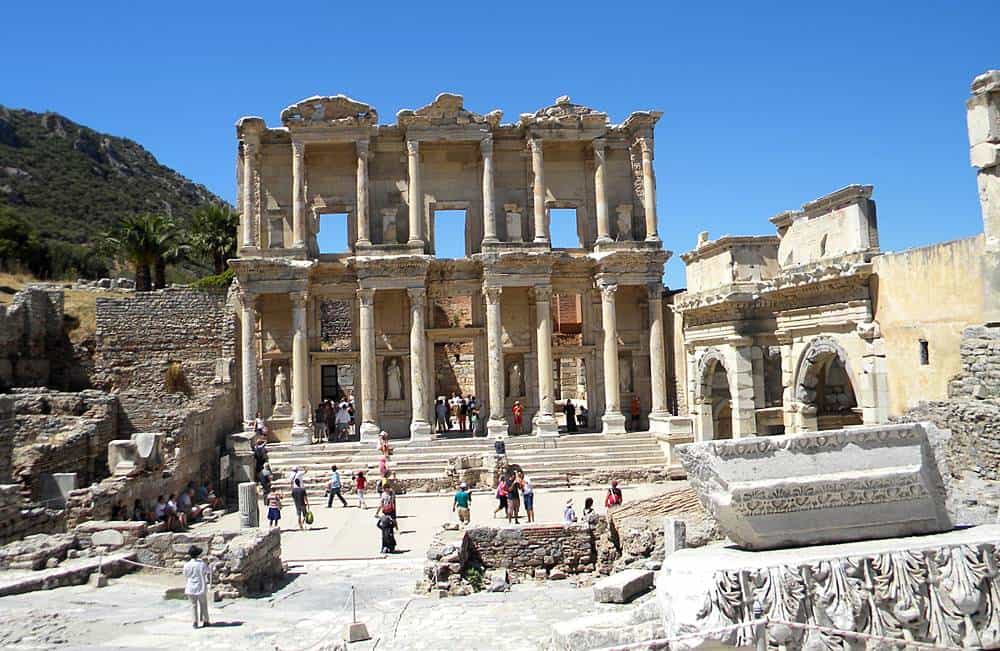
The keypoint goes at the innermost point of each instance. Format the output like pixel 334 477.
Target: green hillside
pixel 70 183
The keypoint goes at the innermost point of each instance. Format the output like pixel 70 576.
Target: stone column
pixel 545 423
pixel 369 380
pixel 648 189
pixel 364 223
pixel 489 207
pixel 740 368
pixel 789 409
pixel 613 420
pixel 657 359
pixel 415 195
pixel 248 341
pixel 247 501
pixel 600 161
pixel 298 194
pixel 984 141
pixel 420 428
pixel 249 214
pixel 538 186
pixel 300 370
pixel 496 426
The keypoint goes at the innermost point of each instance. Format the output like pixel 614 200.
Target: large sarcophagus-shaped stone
pixel 823 487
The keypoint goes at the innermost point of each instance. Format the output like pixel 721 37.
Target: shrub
pixel 217 281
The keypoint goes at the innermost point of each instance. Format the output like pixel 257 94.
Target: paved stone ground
pixel 311 609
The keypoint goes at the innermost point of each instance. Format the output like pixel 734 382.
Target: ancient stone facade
pixel 489 323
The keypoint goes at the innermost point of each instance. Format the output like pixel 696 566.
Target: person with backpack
pixel 614 497
pixel 387 524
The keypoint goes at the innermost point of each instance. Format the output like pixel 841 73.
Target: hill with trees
pixel 64 185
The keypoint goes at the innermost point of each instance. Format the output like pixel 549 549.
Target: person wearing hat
pixel 198 575
pixel 569 515
pixel 462 502
pixel 297 474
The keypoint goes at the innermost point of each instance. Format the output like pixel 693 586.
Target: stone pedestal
pixel 248 502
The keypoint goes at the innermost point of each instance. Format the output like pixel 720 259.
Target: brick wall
pixel 454 374
pixel 452 312
pixel 336 324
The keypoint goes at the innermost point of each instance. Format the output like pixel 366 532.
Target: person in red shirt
pixel 614 497
pixel 518 412
pixel 360 483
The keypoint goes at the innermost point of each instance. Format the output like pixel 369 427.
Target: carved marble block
pixel 823 487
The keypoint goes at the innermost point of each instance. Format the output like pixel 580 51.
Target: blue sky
pixel 766 105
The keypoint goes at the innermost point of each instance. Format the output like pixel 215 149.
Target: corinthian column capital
pixel 486 146
pixel 542 293
pixel 417 293
pixel 412 147
pixel 298 149
pixel 361 146
pixel 492 294
pixel 646 146
pixel 366 296
pixel 535 144
pixel 608 289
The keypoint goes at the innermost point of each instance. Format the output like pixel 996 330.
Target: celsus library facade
pixel 814 327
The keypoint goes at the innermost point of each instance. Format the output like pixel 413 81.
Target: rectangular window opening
pixel 925 353
pixel 449 234
pixel 563 229
pixel 332 236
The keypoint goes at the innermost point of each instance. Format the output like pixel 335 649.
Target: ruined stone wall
pixel 453 374
pixel 57 432
pixel 6 438
pixel 19 518
pixel 34 349
pixel 537 550
pixel 972 410
pixel 138 338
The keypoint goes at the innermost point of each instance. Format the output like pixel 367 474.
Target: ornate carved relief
pixel 446 109
pixel 336 110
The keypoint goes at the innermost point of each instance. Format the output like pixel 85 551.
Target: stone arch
pixel 713 396
pixel 826 388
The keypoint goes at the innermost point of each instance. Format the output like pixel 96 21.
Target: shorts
pixel 273 513
pixel 503 501
pixel 529 501
pixel 300 509
pixel 463 514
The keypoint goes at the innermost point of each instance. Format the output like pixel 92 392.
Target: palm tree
pixel 131 241
pixel 147 242
pixel 214 227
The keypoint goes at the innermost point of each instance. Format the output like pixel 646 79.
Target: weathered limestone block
pixel 823 487
pixel 123 457
pixel 623 587
pixel 937 589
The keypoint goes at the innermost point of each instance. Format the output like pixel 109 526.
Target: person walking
pixel 360 483
pixel 387 524
pixel 298 474
pixel 462 503
pixel 198 576
pixel 273 500
pixel 614 496
pixel 334 487
pixel 528 491
pixel 301 500
pixel 518 412
pixel 501 497
pixel 513 499
pixel 264 478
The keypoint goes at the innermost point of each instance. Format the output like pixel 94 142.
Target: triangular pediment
pixel 565 114
pixel 447 109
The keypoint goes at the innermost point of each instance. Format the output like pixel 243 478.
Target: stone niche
pixel 513 215
pixel 823 487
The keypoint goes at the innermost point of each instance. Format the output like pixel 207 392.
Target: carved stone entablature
pixel 941 590
pixel 408 270
pixel 516 262
pixel 641 123
pixel 447 110
pixel 858 265
pixel 250 127
pixel 828 487
pixel 564 114
pixel 247 269
pixel 632 262
pixel 338 111
pixel 733 293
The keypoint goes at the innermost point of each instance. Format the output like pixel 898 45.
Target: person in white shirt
pixel 199 576
pixel 297 473
pixel 342 421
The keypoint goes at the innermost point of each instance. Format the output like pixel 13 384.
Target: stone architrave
pixel 823 487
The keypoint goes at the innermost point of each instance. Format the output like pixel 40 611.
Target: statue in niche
pixel 393 380
pixel 625 375
pixel 280 387
pixel 514 387
pixel 389 234
pixel 624 222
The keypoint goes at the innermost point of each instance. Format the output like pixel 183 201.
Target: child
pixel 360 483
pixel 273 508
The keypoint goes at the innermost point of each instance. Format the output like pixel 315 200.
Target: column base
pixel 490 240
pixel 542 240
pixel 421 431
pixel 415 244
pixel 603 240
pixel 369 433
pixel 363 243
pixel 545 425
pixel 612 423
pixel 496 428
pixel 653 238
pixel 301 434
pixel 659 423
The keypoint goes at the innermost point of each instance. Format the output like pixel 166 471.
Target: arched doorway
pixel 824 389
pixel 715 399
